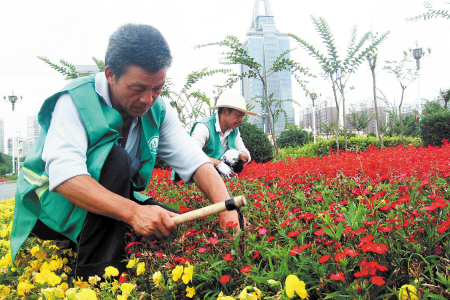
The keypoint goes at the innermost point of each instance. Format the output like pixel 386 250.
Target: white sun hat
pixel 234 101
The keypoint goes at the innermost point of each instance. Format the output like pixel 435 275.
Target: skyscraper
pixel 2 136
pixel 33 128
pixel 264 45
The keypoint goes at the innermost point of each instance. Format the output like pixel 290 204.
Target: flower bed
pixel 368 225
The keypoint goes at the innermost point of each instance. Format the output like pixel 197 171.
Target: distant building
pixel 367 106
pixel 2 136
pixel 265 44
pixel 325 112
pixel 86 69
pixel 33 128
pixel 20 145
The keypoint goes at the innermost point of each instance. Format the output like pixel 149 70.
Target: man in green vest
pixel 219 137
pixel 97 148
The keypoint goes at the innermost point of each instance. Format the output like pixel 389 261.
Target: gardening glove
pixel 224 169
pixel 231 157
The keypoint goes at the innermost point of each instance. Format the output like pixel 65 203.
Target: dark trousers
pixel 101 242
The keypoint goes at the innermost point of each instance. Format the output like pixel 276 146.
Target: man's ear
pixel 110 76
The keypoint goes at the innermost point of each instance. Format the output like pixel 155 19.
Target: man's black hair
pixel 139 45
pixel 220 110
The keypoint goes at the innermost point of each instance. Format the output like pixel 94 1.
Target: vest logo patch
pixel 153 143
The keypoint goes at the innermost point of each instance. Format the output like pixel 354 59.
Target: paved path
pixel 7 190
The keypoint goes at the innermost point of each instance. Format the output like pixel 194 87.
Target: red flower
pixel 350 252
pixel 339 256
pixel 339 276
pixel 262 231
pixel 319 232
pixel 256 254
pixel 293 233
pixel 362 273
pixel 213 240
pixel 201 250
pixel 246 269
pixel 159 255
pixel 377 280
pixel 270 238
pixel 228 257
pixel 231 224
pixel 225 278
pixel 324 258
pixel 123 277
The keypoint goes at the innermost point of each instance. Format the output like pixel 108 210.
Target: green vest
pixel 103 124
pixel 214 148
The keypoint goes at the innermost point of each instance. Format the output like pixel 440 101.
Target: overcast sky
pixel 78 30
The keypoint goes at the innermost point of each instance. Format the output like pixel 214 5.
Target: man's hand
pixel 153 221
pixel 231 157
pixel 224 169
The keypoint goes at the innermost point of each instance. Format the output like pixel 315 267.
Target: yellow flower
pixel 188 272
pixel 244 295
pixel 122 297
pixel 177 272
pixel 273 282
pixel 94 279
pixel 294 285
pixel 34 250
pixel 190 292
pixel 80 283
pixel 140 268
pixel 64 276
pixel 222 297
pixel 127 288
pixel 24 287
pixel 70 293
pixel 3 233
pixel 86 294
pixel 132 262
pixel 4 290
pixel 47 276
pixel 52 293
pixel 258 292
pixel 408 292
pixel 6 260
pixel 63 286
pixel 157 276
pixel 53 279
pixel 111 271
pixel 115 285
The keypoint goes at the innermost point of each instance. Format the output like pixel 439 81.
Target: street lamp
pixel 313 97
pixel 13 100
pixel 418 53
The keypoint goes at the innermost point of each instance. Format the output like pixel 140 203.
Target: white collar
pixel 218 129
pixel 102 88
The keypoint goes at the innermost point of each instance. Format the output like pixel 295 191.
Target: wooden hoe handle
pixel 229 204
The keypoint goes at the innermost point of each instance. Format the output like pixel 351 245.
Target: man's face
pixel 135 91
pixel 233 119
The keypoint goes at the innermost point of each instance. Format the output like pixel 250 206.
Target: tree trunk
pixel 401 117
pixel 337 107
pixel 269 116
pixel 345 126
pixel 377 117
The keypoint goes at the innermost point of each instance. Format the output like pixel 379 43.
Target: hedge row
pixel 323 146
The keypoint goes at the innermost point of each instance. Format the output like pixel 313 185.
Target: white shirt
pixel 66 142
pixel 200 134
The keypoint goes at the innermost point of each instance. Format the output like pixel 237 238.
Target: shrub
pixel 434 127
pixel 257 142
pixel 360 143
pixel 292 136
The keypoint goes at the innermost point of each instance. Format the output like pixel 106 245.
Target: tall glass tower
pixel 265 44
